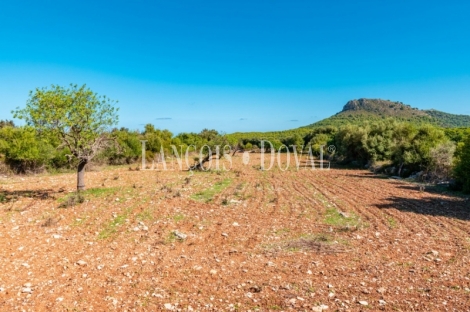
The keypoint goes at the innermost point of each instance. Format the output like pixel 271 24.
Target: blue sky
pixel 238 65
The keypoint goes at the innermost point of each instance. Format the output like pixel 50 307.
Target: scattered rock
pixel 364 303
pixel 180 235
pixel 434 253
pixel 382 302
pixel 56 236
pixel 169 306
pixel 213 272
pixel 26 290
pixel 320 308
pixel 224 234
pixel 235 224
pixel 381 290
pixel 81 263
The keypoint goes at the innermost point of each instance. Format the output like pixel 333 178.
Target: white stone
pixel 169 306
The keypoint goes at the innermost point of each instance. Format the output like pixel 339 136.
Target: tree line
pixel 69 128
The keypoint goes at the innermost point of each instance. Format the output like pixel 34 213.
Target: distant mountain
pixel 366 110
pixel 361 110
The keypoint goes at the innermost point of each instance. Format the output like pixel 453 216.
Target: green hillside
pixel 361 110
pixel 447 120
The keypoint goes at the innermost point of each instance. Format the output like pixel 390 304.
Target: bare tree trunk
pixel 200 164
pixel 236 149
pixel 399 170
pixel 81 175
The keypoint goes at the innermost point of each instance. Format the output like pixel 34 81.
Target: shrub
pixel 462 167
pixel 441 161
pixel 24 151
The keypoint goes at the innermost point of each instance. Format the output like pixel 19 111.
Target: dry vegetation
pixel 231 241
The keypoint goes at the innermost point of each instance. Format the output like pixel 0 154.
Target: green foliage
pixel 403 143
pixel 457 134
pixel 296 140
pixel 72 200
pixel 413 144
pixel 441 161
pixel 157 139
pixel 24 151
pixel 208 194
pixel 321 136
pixel 128 148
pixel 76 116
pixel 350 143
pixel 342 220
pixel 462 167
pixel 447 120
pixel 64 126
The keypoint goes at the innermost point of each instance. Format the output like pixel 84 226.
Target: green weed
pixel 208 194
pixel 342 220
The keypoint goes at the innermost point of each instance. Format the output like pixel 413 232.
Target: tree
pixel 77 116
pixel 441 161
pixel 462 167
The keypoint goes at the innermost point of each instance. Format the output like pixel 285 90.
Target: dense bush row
pixel 24 150
pixel 400 148
pixel 438 153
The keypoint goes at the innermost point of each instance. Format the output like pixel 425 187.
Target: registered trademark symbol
pixel 331 148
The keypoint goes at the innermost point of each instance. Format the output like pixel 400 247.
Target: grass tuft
pixel 208 194
pixel 342 220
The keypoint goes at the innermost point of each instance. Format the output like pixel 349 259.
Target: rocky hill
pixel 361 110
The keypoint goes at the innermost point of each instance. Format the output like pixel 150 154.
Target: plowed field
pixel 246 239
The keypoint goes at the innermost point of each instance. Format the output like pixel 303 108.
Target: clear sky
pixel 238 65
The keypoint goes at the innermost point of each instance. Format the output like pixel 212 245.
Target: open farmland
pixel 240 240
